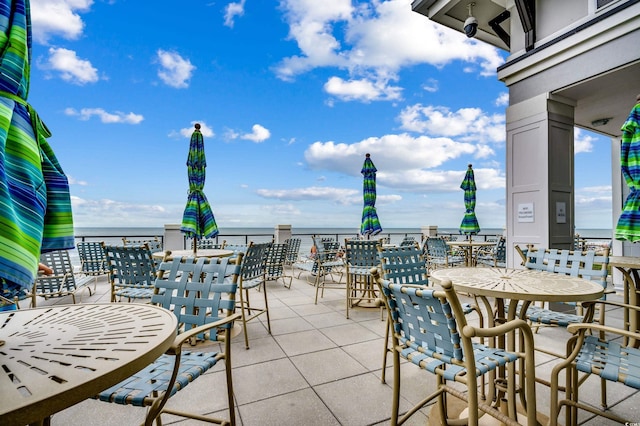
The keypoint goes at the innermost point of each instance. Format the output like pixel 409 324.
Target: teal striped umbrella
pixel 628 227
pixel 370 224
pixel 469 223
pixel 35 206
pixel 197 219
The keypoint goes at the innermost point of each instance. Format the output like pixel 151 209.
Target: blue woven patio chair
pixel 589 265
pixel 598 349
pixel 438 254
pixel 204 302
pixel 252 275
pixel 430 331
pixel 325 261
pixel 63 282
pixel 293 251
pixel 585 264
pixel 496 256
pixel 92 258
pixel 406 265
pixel 276 259
pixel 360 256
pixel 132 271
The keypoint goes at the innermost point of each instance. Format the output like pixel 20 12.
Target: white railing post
pixel 282 232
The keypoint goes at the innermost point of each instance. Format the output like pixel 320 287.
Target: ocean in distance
pixel 158 231
pixel 113 235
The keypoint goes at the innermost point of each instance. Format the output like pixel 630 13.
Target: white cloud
pixel 105 117
pixel 74 181
pixel 381 38
pixel 431 85
pixel 468 124
pixel 70 67
pixel 336 195
pixel 258 134
pixel 106 212
pixel 57 17
pixel 231 11
pixel 503 99
pixel 206 131
pixel 363 90
pixel 582 141
pixel 175 71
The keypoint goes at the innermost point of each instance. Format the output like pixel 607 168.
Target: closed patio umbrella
pixel 370 224
pixel 628 227
pixel 197 219
pixel 469 225
pixel 35 206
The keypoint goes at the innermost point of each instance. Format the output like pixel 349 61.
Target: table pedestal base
pixel 458 409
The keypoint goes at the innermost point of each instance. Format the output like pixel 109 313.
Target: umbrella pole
pixel 195 245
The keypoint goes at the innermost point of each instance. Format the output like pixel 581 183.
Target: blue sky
pixel 291 95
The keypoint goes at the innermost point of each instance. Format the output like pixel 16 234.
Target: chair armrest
pixel 575 328
pixel 498 330
pixel 192 332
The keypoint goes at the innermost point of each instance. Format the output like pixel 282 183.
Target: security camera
pixel 470 26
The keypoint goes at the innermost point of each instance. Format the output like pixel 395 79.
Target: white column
pixel 173 238
pixel 540 174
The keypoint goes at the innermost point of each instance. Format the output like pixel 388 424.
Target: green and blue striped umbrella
pixel 197 219
pixel 628 227
pixel 35 206
pixel 469 223
pixel 370 224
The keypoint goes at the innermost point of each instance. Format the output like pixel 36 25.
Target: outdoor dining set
pixel 472 326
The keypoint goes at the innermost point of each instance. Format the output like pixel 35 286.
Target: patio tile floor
pixel 317 368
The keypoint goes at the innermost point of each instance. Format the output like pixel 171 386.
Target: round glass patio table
pixel 516 285
pixel 57 356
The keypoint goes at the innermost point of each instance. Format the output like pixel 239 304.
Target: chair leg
pixel 386 351
pixel 244 318
pixel 266 306
pixel 395 407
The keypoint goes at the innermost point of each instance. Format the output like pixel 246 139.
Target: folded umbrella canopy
pixel 197 220
pixel 469 223
pixel 370 224
pixel 628 227
pixel 35 206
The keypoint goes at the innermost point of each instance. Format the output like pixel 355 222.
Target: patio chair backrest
pixel 403 265
pixel 209 243
pixel 154 244
pixel 293 249
pixel 423 319
pixel 501 250
pixel 254 261
pixel 63 281
pixel 327 249
pixel 408 241
pixel 361 253
pixel 196 291
pixel 589 264
pixel 436 247
pixel 92 258
pixel 276 258
pixel 132 271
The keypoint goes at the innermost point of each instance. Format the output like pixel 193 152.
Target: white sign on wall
pixel 561 212
pixel 525 212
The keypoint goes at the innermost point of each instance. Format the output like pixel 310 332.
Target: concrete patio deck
pixel 318 368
